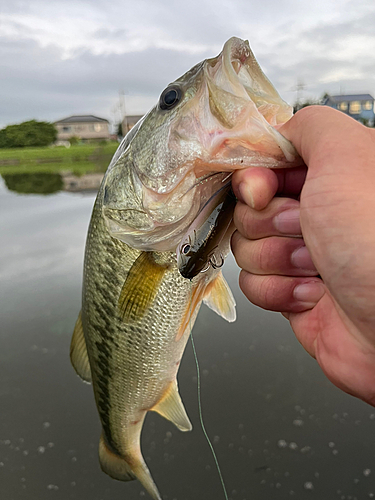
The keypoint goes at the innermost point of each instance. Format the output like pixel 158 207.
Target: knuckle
pixel 269 291
pixel 263 255
pixel 243 219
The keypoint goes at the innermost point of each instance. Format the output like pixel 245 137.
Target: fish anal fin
pixel 126 469
pixel 219 298
pixel 78 352
pixel 140 287
pixel 171 407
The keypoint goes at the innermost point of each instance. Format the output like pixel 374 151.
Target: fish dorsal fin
pixel 220 299
pixel 172 408
pixel 78 352
pixel 140 287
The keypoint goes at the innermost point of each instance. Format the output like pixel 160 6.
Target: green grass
pixel 79 159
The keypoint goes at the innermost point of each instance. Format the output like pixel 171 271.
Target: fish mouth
pixel 246 107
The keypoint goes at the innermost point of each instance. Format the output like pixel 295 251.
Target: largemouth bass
pixel 137 309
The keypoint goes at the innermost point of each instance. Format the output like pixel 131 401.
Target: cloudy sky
pixel 63 57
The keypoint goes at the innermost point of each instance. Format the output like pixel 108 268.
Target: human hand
pixel 285 246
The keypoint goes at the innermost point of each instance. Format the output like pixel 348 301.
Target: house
pixel 358 106
pixel 129 121
pixel 85 127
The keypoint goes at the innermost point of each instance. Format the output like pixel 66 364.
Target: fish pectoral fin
pixel 126 468
pixel 78 352
pixel 172 408
pixel 220 299
pixel 140 287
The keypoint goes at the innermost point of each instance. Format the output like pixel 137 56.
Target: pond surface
pixel 279 428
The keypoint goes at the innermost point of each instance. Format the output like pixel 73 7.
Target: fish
pixel 137 309
pixel 201 248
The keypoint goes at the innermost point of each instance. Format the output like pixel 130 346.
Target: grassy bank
pixel 78 159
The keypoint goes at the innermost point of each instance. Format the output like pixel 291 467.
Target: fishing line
pixel 200 403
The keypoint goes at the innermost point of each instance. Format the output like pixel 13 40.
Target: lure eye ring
pixel 170 97
pixel 185 249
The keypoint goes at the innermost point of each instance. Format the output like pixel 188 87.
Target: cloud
pixel 41 84
pixel 72 57
pixel 335 56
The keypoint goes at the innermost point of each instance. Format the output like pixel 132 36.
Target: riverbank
pixel 77 159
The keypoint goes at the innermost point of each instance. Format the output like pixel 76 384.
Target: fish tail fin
pixel 122 469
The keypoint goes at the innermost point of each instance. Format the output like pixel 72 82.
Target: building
pixel 85 127
pixel 129 121
pixel 358 106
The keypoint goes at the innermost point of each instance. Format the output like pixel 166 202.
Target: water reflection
pixel 47 182
pixel 34 183
pixel 280 429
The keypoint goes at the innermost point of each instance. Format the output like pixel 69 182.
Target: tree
pixel 28 134
pixel 303 104
pixel 309 102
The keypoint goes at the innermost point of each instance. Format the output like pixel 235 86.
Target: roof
pixel 132 118
pixel 82 119
pixel 348 98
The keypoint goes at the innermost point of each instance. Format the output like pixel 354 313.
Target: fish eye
pixel 170 97
pixel 186 249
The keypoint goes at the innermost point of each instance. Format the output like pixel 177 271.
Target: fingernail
pixel 309 293
pixel 246 194
pixel 301 258
pixel 287 222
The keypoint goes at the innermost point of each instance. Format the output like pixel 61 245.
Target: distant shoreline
pixel 77 159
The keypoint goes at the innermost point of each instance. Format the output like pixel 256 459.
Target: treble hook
pixel 207 267
pixel 213 262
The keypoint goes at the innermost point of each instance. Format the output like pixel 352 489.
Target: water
pixel 279 428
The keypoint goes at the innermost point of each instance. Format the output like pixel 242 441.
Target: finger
pixel 281 293
pixel 291 180
pixel 255 186
pixel 281 217
pixel 274 255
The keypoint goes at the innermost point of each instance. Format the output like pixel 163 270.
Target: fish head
pixel 216 118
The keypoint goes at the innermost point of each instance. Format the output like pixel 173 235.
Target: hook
pixel 213 262
pixel 207 267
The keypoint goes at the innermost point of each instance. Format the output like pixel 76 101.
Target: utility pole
pixel 124 121
pixel 300 87
pixel 115 113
